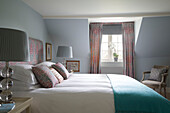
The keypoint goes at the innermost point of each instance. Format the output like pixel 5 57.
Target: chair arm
pixel 164 77
pixel 165 74
pixel 146 72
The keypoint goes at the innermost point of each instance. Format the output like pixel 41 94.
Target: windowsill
pixel 111 64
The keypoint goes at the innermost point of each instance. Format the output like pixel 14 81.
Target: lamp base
pixel 5 85
pixel 7 71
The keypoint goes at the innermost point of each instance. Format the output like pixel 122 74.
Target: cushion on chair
pixel 150 82
pixel 156 74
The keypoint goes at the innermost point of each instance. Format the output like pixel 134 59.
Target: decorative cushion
pixel 156 74
pixel 57 75
pixel 45 77
pixel 61 69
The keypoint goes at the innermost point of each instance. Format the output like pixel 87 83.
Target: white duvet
pixel 81 93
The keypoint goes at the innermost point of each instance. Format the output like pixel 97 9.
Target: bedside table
pixel 21 104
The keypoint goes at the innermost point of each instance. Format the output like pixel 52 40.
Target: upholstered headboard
pixel 36 53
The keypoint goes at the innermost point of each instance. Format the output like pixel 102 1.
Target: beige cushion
pixel 151 82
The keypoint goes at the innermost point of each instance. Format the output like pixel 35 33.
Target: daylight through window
pixel 112 48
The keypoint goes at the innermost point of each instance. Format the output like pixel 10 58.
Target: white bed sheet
pixel 81 93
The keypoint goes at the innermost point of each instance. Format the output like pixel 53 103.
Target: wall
pixel 112 67
pixel 72 32
pixel 137 27
pixel 16 14
pixel 153 44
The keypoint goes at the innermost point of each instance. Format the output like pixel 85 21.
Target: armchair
pixel 157 84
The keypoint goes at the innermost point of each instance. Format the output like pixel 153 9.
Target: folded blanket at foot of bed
pixel 130 96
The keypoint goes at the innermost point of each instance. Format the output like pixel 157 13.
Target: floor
pixel 168 96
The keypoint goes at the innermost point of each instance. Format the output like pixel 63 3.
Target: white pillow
pixel 23 72
pixel 47 63
pixel 21 86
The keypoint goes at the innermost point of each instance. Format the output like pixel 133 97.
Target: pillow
pixel 61 69
pixel 45 77
pixel 57 75
pixel 23 72
pixel 47 63
pixel 22 86
pixel 156 74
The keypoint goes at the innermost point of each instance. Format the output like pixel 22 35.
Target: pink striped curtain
pixel 95 46
pixel 128 49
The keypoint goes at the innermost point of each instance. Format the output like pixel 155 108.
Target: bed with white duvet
pixel 81 93
pixel 88 93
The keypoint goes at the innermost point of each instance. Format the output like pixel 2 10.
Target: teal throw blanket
pixel 130 96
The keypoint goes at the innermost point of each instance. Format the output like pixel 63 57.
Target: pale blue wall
pixel 153 44
pixel 16 14
pixel 72 32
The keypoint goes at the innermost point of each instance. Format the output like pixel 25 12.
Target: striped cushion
pixel 45 77
pixel 61 69
pixel 57 75
pixel 156 74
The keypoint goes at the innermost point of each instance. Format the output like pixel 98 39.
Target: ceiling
pixel 99 8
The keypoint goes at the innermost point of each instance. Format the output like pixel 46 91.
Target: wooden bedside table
pixel 21 104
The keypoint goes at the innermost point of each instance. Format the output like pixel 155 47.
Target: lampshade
pixel 65 51
pixel 13 45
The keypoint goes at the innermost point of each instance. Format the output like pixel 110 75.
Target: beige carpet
pixel 168 96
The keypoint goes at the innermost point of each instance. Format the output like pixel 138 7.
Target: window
pixel 111 44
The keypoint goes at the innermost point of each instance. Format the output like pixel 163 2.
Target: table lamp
pixel 13 47
pixel 65 52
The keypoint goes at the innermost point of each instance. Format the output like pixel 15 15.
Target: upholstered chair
pixel 157 78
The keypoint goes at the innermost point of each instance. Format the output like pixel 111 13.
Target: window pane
pixel 120 38
pixel 104 38
pixel 104 46
pixel 114 38
pixel 104 54
pixel 111 44
pixel 120 46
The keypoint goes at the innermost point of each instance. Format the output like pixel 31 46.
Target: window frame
pixel 110 61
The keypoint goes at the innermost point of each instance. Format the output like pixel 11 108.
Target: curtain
pixel 128 49
pixel 95 46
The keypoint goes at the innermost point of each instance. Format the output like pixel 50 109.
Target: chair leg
pixel 160 89
pixel 165 92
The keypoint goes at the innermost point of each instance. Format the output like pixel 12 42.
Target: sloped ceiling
pixel 99 8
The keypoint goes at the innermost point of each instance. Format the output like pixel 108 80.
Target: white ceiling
pixel 99 8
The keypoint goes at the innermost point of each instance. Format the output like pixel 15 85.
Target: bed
pixel 94 93
pixel 78 94
pixel 84 93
